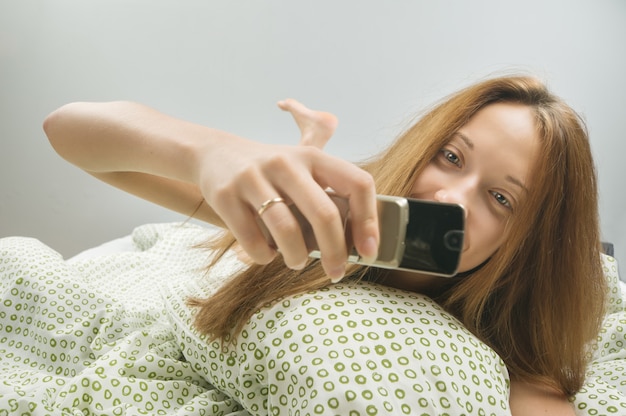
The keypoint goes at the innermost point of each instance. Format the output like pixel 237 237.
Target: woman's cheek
pixel 480 246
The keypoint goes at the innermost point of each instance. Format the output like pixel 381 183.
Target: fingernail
pixel 337 274
pixel 369 250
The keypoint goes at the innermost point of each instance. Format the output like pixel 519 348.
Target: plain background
pixel 376 64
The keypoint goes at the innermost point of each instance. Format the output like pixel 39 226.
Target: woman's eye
pixel 451 157
pixel 501 199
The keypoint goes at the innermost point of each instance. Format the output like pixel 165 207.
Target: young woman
pixel 515 156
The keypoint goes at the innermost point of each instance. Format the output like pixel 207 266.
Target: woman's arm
pixel 134 148
pixel 177 164
pixel 531 400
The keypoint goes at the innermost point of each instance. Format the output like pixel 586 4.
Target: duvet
pixel 111 334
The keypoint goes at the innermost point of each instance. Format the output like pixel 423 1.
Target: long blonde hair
pixel 539 300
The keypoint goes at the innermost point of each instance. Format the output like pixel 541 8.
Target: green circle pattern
pixel 91 338
pixel 353 348
pixel 112 335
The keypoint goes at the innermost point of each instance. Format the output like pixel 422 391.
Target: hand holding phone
pixel 415 235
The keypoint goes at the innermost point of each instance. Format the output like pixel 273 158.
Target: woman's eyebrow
pixel 465 139
pixel 517 182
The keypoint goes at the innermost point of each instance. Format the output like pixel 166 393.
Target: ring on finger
pixel 265 205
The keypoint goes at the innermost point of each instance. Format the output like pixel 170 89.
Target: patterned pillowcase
pixel 604 391
pixel 615 295
pixel 350 348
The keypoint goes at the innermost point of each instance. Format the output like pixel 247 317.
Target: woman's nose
pixel 453 196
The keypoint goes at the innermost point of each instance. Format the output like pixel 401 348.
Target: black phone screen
pixel 434 237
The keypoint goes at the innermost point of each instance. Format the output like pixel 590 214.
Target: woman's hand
pixel 176 164
pixel 239 178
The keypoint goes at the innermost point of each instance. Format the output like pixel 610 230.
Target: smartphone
pixel 415 235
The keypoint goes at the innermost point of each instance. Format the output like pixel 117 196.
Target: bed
pixel 108 332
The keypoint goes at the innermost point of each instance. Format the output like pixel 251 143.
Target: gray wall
pixel 226 63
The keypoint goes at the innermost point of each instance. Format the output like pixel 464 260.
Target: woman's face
pixel 486 167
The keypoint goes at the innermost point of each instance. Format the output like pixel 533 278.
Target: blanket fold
pixel 112 335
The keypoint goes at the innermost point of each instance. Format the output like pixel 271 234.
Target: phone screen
pixel 434 237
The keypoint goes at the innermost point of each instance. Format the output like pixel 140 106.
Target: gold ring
pixel 265 205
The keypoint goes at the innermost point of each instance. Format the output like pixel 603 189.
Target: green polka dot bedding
pixel 111 334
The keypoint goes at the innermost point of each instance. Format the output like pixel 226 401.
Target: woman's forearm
pixel 137 149
pixel 126 136
pixel 179 165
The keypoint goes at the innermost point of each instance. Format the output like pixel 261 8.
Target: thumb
pixel 316 127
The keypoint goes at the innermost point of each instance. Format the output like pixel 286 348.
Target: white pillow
pixel 611 273
pixel 119 245
pixel 350 348
pixel 604 391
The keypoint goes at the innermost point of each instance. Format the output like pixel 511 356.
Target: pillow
pixel 361 348
pixel 604 391
pixel 119 245
pixel 610 269
pixel 349 349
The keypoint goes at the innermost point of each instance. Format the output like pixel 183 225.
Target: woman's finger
pixel 325 222
pixel 316 128
pixel 273 212
pixel 262 222
pixel 307 190
pixel 236 215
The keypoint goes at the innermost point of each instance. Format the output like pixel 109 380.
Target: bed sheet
pixel 107 332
